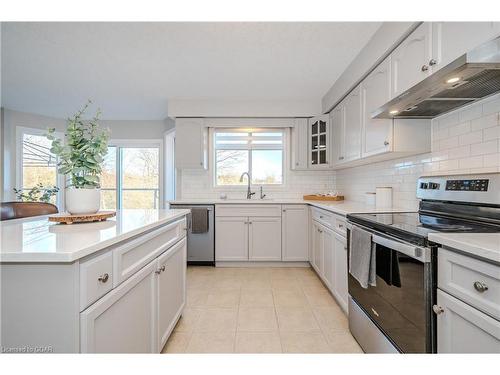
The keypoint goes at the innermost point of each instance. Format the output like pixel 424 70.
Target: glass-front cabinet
pixel 319 145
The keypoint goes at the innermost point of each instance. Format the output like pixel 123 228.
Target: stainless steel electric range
pixel 396 314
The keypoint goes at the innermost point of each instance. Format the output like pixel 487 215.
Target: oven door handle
pixel 419 253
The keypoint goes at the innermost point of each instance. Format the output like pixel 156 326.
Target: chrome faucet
pixel 249 192
pixel 262 195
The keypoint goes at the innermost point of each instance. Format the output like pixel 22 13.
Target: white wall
pixel 12 119
pixel 464 141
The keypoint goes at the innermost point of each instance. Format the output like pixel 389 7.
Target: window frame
pixel 284 158
pixel 127 143
pixel 60 180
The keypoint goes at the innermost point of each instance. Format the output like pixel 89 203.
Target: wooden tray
pixel 323 198
pixel 65 218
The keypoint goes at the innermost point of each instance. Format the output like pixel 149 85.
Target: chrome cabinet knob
pixel 437 309
pixel 386 143
pixel 480 287
pixel 424 68
pixel 433 62
pixel 162 268
pixel 297 163
pixel 158 271
pixel 341 158
pixel 103 278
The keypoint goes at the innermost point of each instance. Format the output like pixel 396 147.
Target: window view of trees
pixel 257 152
pixel 138 180
pixel 39 165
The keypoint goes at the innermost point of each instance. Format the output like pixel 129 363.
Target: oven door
pixel 400 304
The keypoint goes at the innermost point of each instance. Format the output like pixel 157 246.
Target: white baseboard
pixel 262 264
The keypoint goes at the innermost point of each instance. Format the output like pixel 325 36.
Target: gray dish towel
pixel 199 220
pixel 362 265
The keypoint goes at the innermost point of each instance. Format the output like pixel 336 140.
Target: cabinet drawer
pixel 135 254
pixel 96 278
pixel 263 210
pixel 324 217
pixel 467 279
pixel 340 226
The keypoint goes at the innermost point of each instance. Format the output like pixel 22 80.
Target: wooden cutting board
pixel 323 198
pixel 66 218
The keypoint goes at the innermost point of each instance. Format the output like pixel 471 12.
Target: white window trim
pixel 140 143
pixel 237 188
pixel 60 182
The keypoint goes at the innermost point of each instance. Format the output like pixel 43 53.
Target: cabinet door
pixel 317 256
pixel 453 39
pixel 340 271
pixel 295 233
pixel 337 124
pixel 352 126
pixel 171 290
pixel 264 238
pixel 319 142
pixel 328 243
pixel 191 143
pixel 410 60
pixel 375 92
pixel 123 321
pixel 299 144
pixel 231 238
pixel 463 329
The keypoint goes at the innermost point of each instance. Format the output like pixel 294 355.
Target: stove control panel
pixel 467 185
pixel 429 185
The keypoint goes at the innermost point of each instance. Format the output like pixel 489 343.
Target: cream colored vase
pixel 82 201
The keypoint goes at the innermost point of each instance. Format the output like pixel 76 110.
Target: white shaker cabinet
pixel 317 248
pixel 411 60
pixel 123 321
pixel 351 140
pixel 171 290
pixel 375 92
pixel 464 329
pixel 264 238
pixel 453 39
pixel 340 271
pixel 299 145
pixel 328 251
pixel 337 124
pixel 295 233
pixel 191 143
pixel 231 238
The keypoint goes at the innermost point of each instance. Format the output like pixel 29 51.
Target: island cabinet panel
pixel 123 321
pixel 171 291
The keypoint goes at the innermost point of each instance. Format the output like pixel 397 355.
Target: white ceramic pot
pixel 82 201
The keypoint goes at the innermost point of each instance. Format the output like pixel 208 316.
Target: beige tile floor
pixel 259 310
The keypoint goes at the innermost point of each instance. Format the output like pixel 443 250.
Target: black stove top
pixel 415 227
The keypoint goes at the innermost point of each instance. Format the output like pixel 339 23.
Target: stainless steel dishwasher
pixel 200 243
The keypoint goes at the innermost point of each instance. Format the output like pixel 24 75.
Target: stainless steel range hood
pixel 471 77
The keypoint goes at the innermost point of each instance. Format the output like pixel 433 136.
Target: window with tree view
pixel 38 164
pixel 259 152
pixel 131 177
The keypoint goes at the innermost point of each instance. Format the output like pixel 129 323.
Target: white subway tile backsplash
pixel 470 113
pixel 484 148
pixel 491 133
pixel 459 129
pixel 470 138
pixel 485 122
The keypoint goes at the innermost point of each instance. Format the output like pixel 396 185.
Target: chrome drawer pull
pixel 103 278
pixel 480 287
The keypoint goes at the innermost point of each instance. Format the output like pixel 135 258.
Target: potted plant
pixel 80 159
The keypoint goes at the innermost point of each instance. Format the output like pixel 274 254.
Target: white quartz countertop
pixel 38 240
pixel 341 207
pixel 482 245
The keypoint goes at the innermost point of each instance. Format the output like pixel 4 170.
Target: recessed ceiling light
pixel 394 112
pixel 453 80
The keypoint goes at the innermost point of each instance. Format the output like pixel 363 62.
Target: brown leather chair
pixel 17 210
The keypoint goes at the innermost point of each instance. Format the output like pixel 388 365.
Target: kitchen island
pixel 112 286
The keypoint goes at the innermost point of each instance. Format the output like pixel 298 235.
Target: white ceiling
pixel 131 70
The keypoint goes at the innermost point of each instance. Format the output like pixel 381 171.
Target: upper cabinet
pixel 346 123
pixel 412 60
pixel 319 142
pixel 191 143
pixel 453 39
pixel 376 91
pixel 299 144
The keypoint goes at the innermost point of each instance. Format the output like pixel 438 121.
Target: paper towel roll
pixel 383 197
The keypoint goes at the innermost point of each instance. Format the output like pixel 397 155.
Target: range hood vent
pixel 471 77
